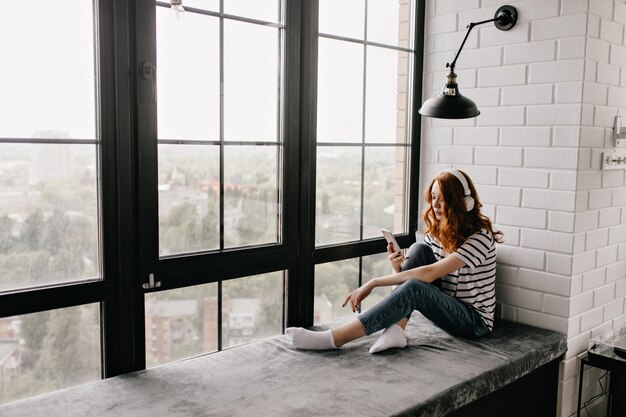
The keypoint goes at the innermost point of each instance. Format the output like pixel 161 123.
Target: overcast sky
pixel 47 72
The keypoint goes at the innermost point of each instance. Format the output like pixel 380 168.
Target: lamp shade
pixel 449 104
pixel 445 106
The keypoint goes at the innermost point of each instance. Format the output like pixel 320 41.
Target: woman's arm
pixel 425 273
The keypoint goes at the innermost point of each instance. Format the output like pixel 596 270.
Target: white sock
pixel 307 339
pixel 392 337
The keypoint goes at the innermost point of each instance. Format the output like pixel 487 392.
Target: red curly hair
pixel 457 224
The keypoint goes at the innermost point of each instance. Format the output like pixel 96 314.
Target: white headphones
pixel 469 201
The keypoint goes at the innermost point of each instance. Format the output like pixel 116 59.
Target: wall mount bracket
pixel 619 133
pixel 616 158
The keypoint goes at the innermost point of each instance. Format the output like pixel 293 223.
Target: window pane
pixel 342 18
pixel 213 5
pixel 251 73
pixel 48 351
pixel 368 105
pixel 251 195
pixel 340 91
pixel 384 190
pixel 42 95
pixel 388 21
pixel 252 308
pixel 48 214
pixel 386 96
pixel 189 192
pixel 333 282
pixel 188 76
pixel 184 322
pixel 338 208
pixel 180 323
pixel 255 9
pixel 375 266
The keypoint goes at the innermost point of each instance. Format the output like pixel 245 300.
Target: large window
pixel 174 185
pixel 362 117
pixel 220 149
pixel 365 56
pixel 49 193
pixel 220 152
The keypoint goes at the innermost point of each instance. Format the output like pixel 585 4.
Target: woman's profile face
pixel 436 201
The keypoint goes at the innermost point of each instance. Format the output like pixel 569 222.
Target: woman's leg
pixel 348 332
pixel 327 339
pixel 393 337
pixel 418 254
pixel 448 313
pixel 393 313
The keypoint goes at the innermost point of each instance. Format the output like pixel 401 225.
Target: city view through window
pixel 221 159
pixel 49 216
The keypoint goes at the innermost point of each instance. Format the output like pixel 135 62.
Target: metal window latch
pixel 148 72
pixel 151 283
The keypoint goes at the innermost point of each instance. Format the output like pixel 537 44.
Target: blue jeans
pixel 448 313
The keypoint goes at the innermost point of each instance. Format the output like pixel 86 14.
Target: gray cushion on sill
pixel 435 374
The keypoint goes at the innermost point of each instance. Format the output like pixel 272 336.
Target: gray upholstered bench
pixel 511 372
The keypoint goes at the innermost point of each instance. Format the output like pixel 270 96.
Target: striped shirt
pixel 473 284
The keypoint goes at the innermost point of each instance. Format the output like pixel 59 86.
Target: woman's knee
pixel 414 285
pixel 415 291
pixel 418 254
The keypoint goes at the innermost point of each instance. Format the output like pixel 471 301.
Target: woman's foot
pixel 307 339
pixel 392 337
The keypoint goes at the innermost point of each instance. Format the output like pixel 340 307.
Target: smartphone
pixel 391 239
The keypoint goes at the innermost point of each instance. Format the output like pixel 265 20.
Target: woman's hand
pixel 358 295
pixel 396 258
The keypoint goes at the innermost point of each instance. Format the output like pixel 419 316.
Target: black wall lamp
pixel 450 104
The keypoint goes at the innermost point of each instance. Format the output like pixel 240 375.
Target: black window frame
pixel 128 156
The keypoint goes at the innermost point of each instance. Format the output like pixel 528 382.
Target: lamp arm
pixel 470 26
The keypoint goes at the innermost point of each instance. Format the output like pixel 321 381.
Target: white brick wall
pixel 527 53
pixel 523 177
pixel 499 156
pixel 551 200
pixel 525 136
pixel 548 91
pixel 571 47
pixel 561 222
pixel 556 71
pixel 557 114
pixel 569 92
pixel 551 158
pixel 559 27
pixel 574 6
pixel 516 216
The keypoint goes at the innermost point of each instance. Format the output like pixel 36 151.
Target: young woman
pixel 450 278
